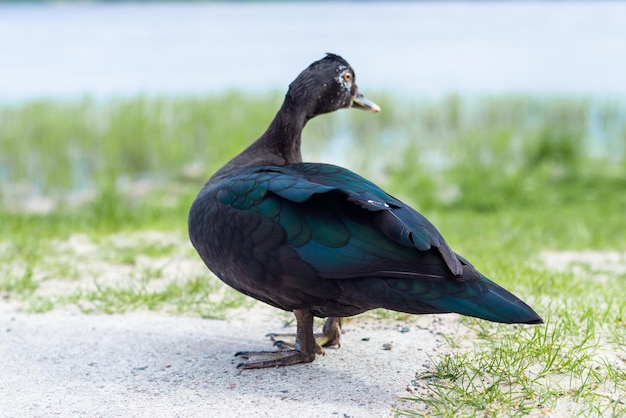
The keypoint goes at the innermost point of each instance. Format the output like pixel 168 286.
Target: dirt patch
pixel 600 263
pixel 65 364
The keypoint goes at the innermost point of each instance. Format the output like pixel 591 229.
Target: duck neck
pixel 284 135
pixel 278 146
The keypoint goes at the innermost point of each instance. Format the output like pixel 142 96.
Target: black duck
pixel 320 240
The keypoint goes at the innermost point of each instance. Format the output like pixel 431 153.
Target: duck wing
pixel 327 201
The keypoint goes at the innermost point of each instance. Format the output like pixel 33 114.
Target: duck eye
pixel 347 76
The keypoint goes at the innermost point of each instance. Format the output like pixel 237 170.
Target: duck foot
pixel 330 335
pixel 263 359
pixel 303 351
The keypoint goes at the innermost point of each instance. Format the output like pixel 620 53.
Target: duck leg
pixel 330 335
pixel 304 350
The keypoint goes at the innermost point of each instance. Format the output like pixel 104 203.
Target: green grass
pixel 88 145
pixel 502 178
pixel 512 371
pixel 442 150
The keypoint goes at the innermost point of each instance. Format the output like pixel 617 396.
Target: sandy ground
pixel 64 363
pixel 142 364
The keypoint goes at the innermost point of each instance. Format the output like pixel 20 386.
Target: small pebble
pixel 365 339
pixel 387 346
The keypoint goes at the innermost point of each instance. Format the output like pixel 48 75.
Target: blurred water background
pixel 66 50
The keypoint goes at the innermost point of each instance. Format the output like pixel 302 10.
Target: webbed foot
pixel 263 359
pixel 303 351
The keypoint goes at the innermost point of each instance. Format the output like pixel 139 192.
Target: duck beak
pixel 361 102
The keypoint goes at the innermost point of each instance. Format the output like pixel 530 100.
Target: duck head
pixel 327 85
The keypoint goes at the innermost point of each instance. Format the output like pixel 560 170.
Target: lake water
pixel 413 48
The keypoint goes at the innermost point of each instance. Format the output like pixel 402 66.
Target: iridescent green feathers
pixel 378 249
